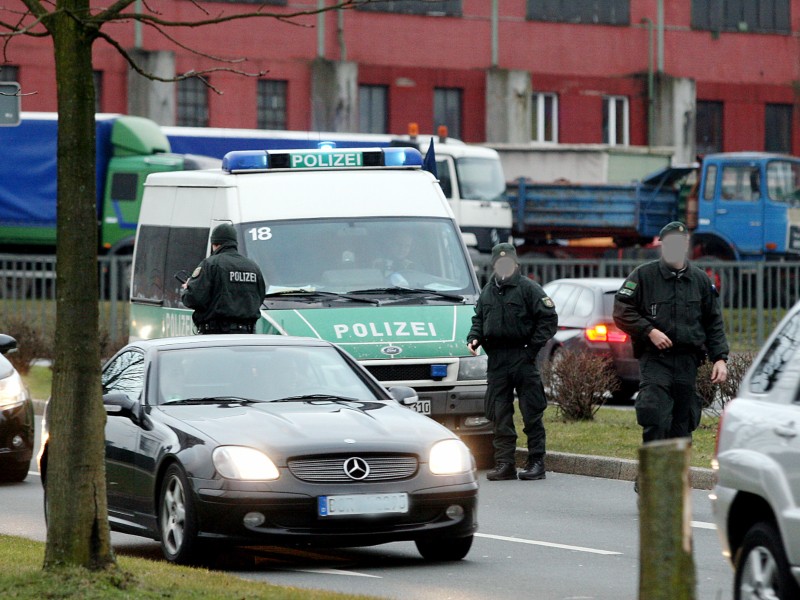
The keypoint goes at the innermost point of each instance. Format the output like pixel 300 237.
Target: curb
pixel 608 468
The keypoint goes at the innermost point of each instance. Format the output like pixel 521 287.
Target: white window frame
pixel 538 106
pixel 612 120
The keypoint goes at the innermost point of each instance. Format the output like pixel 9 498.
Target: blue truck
pixel 740 206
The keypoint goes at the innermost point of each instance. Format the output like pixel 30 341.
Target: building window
pixel 544 118
pixel 271 104
pixel 9 73
pixel 761 16
pixel 192 103
pixel 98 90
pixel 373 108
pixel 615 121
pixel 708 125
pixel 446 8
pixel 447 110
pixel 778 128
pixel 607 12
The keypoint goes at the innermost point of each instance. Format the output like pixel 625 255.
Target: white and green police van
pixel 358 246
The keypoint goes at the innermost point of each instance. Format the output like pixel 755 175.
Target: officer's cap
pixel 502 251
pixel 223 233
pixel 672 228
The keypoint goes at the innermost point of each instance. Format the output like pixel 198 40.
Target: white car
pixel 756 500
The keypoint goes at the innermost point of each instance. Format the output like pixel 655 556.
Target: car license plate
pixel 423 407
pixel 363 504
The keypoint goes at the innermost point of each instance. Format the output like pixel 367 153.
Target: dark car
pixel 585 310
pixel 278 440
pixel 16 418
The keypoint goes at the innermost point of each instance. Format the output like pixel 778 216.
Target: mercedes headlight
pixel 450 457
pixel 12 391
pixel 240 462
pixel 472 367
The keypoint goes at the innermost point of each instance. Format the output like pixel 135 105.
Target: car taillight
pixel 606 333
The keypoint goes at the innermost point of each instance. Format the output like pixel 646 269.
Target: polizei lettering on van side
pixel 393 329
pixel 314 160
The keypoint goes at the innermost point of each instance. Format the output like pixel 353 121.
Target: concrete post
pixel 508 106
pixel 334 95
pixel 666 569
pixel 152 99
pixel 674 110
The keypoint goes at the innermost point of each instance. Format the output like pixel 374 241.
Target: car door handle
pixel 786 431
pixel 722 211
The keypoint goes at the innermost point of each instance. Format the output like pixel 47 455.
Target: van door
pixel 739 206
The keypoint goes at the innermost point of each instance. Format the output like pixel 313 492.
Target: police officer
pixel 513 320
pixel 226 290
pixel 671 310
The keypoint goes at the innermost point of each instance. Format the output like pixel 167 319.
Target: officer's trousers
pixel 668 405
pixel 513 369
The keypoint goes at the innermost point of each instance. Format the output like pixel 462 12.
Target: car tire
pixel 15 473
pixel 761 566
pixel 447 549
pixel 177 522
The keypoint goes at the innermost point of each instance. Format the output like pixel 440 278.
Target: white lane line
pixel 33 473
pixel 336 572
pixel 504 538
pixel 703 525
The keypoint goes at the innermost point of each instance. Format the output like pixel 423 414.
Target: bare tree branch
pixel 194 51
pixel 36 8
pixel 113 11
pixel 18 29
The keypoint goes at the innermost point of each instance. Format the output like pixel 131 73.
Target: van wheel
pixel 444 549
pixel 762 570
pixel 177 521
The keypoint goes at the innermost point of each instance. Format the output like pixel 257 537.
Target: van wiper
pixel 403 291
pixel 310 294
pixel 312 397
pixel 213 400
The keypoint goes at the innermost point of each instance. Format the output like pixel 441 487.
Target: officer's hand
pixel 185 284
pixel 719 372
pixel 473 347
pixel 660 339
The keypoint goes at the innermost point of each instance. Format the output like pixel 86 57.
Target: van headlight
pixel 472 367
pixel 240 462
pixel 450 457
pixel 12 391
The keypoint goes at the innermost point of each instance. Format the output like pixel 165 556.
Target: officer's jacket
pixel 684 306
pixel 517 313
pixel 226 287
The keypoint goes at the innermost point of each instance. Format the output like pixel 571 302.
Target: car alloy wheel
pixel 762 570
pixel 176 517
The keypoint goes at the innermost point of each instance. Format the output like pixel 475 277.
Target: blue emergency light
pixel 250 161
pixel 438 372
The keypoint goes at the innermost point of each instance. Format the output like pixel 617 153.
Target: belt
pixel 225 327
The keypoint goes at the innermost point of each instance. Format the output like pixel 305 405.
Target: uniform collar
pixel 226 247
pixel 667 272
pixel 512 281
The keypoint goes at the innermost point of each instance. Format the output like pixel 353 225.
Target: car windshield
pixel 480 178
pixel 260 373
pixel 345 255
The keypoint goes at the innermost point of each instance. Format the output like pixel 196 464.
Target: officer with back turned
pixel 226 290
pixel 671 310
pixel 513 320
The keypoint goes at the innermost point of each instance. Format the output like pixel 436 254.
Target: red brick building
pixel 588 66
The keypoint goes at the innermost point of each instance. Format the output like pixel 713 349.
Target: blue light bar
pixel 251 161
pixel 245 160
pixel 326 145
pixel 402 157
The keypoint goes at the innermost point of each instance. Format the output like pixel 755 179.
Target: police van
pixel 358 247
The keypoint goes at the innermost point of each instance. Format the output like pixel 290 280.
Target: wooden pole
pixel 665 536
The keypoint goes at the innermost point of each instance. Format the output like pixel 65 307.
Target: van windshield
pixel 480 178
pixel 343 255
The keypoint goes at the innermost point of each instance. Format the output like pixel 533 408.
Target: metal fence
pixel 754 296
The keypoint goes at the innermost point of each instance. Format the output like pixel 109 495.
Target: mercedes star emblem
pixel 356 468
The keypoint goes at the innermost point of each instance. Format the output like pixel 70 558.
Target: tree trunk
pixel 665 535
pixel 77 532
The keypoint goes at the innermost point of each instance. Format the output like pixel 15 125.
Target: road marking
pixel 703 525
pixel 33 473
pixel 504 538
pixel 336 572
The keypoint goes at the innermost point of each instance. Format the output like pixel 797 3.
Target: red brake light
pixel 606 333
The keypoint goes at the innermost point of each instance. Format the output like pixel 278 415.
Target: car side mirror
pixel 118 404
pixel 7 343
pixel 404 395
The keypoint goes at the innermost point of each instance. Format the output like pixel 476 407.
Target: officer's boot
pixel 502 471
pixel 534 469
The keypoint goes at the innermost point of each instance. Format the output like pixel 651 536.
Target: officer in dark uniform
pixel 671 310
pixel 227 289
pixel 513 320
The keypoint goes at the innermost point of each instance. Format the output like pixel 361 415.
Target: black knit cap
pixel 503 250
pixel 671 228
pixel 223 233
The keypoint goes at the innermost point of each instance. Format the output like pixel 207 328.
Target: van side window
pixel 780 352
pixel 148 272
pixel 445 181
pixel 185 250
pixel 710 187
pixel 124 186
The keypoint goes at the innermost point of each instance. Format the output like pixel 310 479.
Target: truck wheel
pixel 176 518
pixel 447 549
pixel 762 570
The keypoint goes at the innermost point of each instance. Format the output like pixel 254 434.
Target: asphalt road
pixel 568 537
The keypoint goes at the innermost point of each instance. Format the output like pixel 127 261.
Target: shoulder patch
pixel 631 285
pixel 196 272
pixel 548 302
pixel 625 291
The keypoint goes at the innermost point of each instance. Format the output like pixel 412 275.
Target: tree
pixel 78 531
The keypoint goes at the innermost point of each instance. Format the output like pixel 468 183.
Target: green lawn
pixel 39 380
pixel 22 577
pixel 614 433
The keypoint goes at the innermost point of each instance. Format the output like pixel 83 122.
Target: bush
pixel 716 396
pixel 32 343
pixel 577 382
